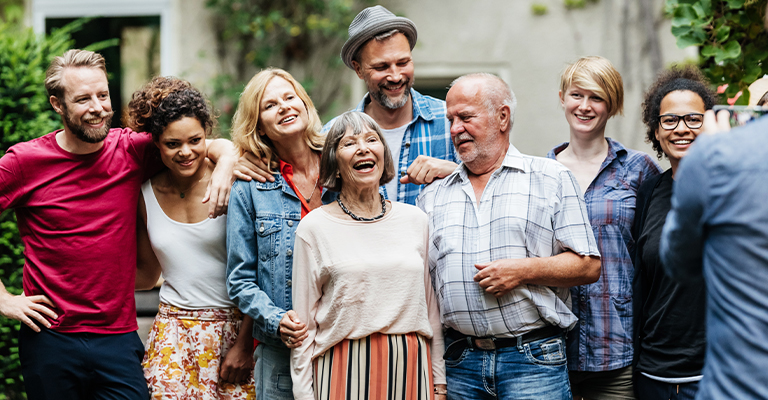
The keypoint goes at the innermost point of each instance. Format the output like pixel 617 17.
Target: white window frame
pixel 42 9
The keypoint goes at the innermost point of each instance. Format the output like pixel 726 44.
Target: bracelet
pixel 441 391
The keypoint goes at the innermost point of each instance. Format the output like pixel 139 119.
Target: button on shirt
pixel 602 340
pixel 427 134
pixel 530 207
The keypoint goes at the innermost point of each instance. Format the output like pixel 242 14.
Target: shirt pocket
pixel 618 205
pixel 267 237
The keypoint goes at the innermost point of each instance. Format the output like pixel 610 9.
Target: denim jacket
pixel 261 223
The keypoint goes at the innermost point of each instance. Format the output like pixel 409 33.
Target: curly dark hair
pixel 165 100
pixel 678 77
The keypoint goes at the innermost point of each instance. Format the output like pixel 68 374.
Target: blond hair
pixel 74 58
pixel 245 125
pixel 596 74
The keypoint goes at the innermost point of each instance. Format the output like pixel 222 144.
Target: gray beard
pixel 387 102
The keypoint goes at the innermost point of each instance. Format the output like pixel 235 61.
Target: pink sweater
pixel 352 279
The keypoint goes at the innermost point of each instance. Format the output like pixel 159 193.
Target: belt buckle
pixel 485 344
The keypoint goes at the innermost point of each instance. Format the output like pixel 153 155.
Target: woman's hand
pixel 237 364
pixel 249 166
pixel 441 392
pixel 292 330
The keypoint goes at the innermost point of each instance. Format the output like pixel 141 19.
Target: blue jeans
pixel 272 372
pixel 535 370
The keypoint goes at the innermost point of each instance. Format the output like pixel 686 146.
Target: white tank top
pixel 193 257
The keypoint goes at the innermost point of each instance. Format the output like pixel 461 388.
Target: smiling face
pixel 477 134
pixel 86 108
pixel 182 146
pixel 586 111
pixel 283 116
pixel 387 69
pixel 360 160
pixel 676 142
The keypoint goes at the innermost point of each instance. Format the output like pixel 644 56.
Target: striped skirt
pixel 376 367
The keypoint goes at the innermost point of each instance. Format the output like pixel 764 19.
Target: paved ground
pixel 145 324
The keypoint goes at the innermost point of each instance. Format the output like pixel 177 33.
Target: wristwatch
pixel 439 390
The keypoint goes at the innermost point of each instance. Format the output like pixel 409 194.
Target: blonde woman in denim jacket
pixel 276 122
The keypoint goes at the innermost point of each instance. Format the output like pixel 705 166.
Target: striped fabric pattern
pixel 376 367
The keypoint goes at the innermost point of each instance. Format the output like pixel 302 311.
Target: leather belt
pixel 492 343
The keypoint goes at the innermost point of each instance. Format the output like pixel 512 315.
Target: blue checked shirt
pixel 602 340
pixel 428 133
pixel 530 207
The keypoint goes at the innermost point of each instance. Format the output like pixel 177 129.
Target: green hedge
pixel 24 114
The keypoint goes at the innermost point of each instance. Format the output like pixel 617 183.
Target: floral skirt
pixel 375 367
pixel 184 353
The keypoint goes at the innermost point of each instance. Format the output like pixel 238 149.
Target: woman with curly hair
pixel 200 345
pixel 600 346
pixel 669 315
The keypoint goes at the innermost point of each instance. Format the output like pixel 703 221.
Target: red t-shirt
pixel 77 219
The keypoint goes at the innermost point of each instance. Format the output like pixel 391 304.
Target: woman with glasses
pixel 669 315
pixel 600 346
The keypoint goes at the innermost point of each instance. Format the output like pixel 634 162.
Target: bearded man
pixel 75 192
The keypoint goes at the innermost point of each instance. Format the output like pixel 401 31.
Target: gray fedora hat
pixel 371 22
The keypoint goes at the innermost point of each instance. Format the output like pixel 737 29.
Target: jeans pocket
pixel 455 353
pixel 549 351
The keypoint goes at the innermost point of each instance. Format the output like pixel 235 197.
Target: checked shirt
pixel 602 340
pixel 530 208
pixel 428 134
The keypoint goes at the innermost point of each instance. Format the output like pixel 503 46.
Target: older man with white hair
pixel 509 234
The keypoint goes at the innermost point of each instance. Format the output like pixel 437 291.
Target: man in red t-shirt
pixel 75 193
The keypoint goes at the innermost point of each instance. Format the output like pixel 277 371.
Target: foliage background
pixel 300 36
pixel 732 38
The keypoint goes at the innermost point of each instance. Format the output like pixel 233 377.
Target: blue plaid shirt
pixel 602 340
pixel 428 133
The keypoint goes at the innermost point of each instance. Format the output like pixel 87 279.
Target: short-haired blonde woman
pixel 362 283
pixel 600 346
pixel 277 122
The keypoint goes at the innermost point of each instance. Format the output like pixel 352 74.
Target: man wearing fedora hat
pixel 379 51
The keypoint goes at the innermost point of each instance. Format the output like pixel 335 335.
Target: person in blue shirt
pixel 417 132
pixel 600 346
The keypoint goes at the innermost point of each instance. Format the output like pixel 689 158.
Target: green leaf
pixel 722 32
pixel 684 15
pixel 735 4
pixel 708 51
pixel 731 51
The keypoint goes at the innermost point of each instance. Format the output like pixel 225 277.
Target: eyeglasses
pixel 692 121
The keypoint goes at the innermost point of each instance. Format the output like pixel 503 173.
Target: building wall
pixel 457 37
pixel 530 52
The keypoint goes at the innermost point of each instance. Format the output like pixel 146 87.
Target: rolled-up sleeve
pixel 571 225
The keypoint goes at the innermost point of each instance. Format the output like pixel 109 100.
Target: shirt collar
pixel 615 150
pixel 421 108
pixel 514 159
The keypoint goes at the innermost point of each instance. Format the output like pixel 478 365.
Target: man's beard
pixel 88 135
pixel 393 104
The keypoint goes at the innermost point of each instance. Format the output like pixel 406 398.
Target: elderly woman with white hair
pixel 361 283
